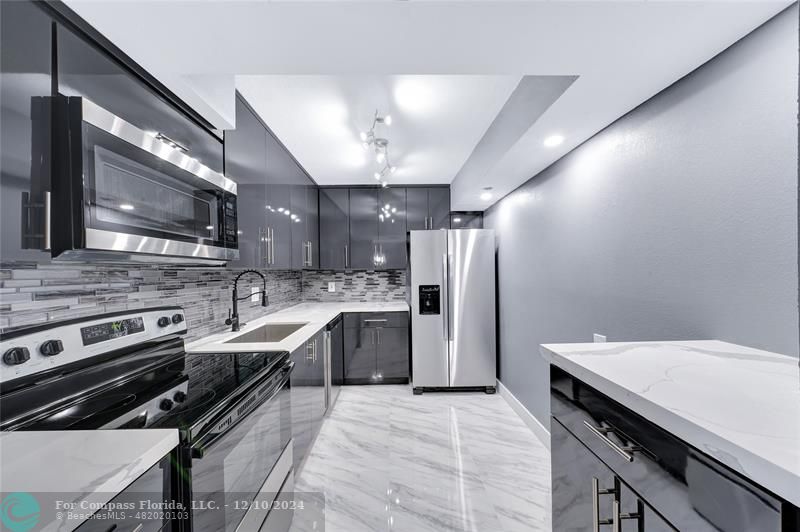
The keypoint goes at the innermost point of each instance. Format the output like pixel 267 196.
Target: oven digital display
pixel 110 330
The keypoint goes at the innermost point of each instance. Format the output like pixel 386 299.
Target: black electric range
pixel 130 371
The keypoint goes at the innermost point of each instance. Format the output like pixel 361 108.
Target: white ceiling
pixel 622 52
pixel 436 121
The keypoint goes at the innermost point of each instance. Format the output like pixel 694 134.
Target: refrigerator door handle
pixel 445 300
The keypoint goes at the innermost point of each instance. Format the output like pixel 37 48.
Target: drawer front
pixel 688 488
pixel 353 320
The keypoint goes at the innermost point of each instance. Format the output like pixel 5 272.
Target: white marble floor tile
pixel 387 460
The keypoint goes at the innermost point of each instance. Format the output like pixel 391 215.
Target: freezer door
pixel 471 302
pixel 428 331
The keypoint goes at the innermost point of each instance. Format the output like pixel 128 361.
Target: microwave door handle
pixel 206 443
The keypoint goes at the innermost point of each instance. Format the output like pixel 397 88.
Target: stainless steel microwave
pixel 122 194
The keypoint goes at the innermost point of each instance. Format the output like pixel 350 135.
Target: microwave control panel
pixel 429 301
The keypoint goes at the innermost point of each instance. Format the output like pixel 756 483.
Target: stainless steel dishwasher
pixel 334 361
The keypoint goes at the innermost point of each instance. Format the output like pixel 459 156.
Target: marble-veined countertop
pixel 87 467
pixel 739 405
pixel 315 315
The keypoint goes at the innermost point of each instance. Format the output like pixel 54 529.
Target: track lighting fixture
pixel 380 145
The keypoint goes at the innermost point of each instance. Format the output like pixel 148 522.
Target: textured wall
pixel 678 221
pixel 32 294
pixel 355 286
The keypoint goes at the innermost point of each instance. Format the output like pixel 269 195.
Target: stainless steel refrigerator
pixel 452 286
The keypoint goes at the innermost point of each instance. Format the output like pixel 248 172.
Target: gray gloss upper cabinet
pixel 363 228
pixel 245 163
pixel 392 229
pixel 439 207
pixel 87 71
pixel 417 208
pixel 25 58
pixel 305 225
pixel 334 228
pixel 428 208
pixel 281 174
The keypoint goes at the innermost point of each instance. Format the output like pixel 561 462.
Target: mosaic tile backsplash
pixel 389 285
pixel 31 294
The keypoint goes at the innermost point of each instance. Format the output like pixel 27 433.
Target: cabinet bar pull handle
pixel 445 314
pixel 379 336
pixel 345 255
pixel 600 432
pixel 375 320
pixel 596 492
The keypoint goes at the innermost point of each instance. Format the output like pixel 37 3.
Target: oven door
pixel 232 462
pixel 139 194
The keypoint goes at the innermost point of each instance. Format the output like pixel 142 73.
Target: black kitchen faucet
pixel 233 317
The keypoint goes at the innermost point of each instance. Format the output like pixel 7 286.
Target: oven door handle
pixel 205 443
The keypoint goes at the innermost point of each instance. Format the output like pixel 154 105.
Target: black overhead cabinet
pixel 25 58
pixel 428 208
pixel 278 208
pixel 363 228
pixel 334 228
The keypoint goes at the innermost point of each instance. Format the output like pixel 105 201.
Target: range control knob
pixel 163 321
pixel 16 355
pixel 165 404
pixel 51 348
pixel 177 318
pixel 179 397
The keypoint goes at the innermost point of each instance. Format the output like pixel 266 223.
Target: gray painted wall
pixel 678 221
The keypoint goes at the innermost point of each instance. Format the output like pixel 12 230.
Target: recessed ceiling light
pixel 363 136
pixel 486 195
pixel 387 120
pixel 457 220
pixel 209 227
pixel 384 184
pixel 126 207
pixel 377 175
pixel 553 140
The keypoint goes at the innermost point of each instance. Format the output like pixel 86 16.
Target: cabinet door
pixel 392 229
pixel 574 469
pixel 334 228
pixel 312 225
pixel 300 223
pixel 318 399
pixel 417 209
pixel 363 228
pixel 280 225
pixel 245 163
pixel 393 353
pixel 84 70
pixel 439 207
pixel 301 394
pixel 25 58
pixel 359 355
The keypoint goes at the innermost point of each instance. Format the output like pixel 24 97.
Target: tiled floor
pixel 386 460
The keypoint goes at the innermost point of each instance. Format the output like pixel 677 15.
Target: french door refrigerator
pixel 452 285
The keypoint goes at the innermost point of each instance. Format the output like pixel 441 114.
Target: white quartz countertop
pixel 87 467
pixel 739 405
pixel 316 315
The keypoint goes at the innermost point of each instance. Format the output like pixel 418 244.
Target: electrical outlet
pixel 254 294
pixel 599 338
pixel 331 286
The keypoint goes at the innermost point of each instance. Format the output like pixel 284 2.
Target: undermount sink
pixel 271 332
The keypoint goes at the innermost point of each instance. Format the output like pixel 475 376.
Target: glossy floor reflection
pixel 386 460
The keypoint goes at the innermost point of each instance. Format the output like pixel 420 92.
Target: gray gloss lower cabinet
pixel 376 349
pixel 587 495
pixel 678 486
pixel 307 387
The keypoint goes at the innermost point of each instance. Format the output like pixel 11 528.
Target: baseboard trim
pixel 539 430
